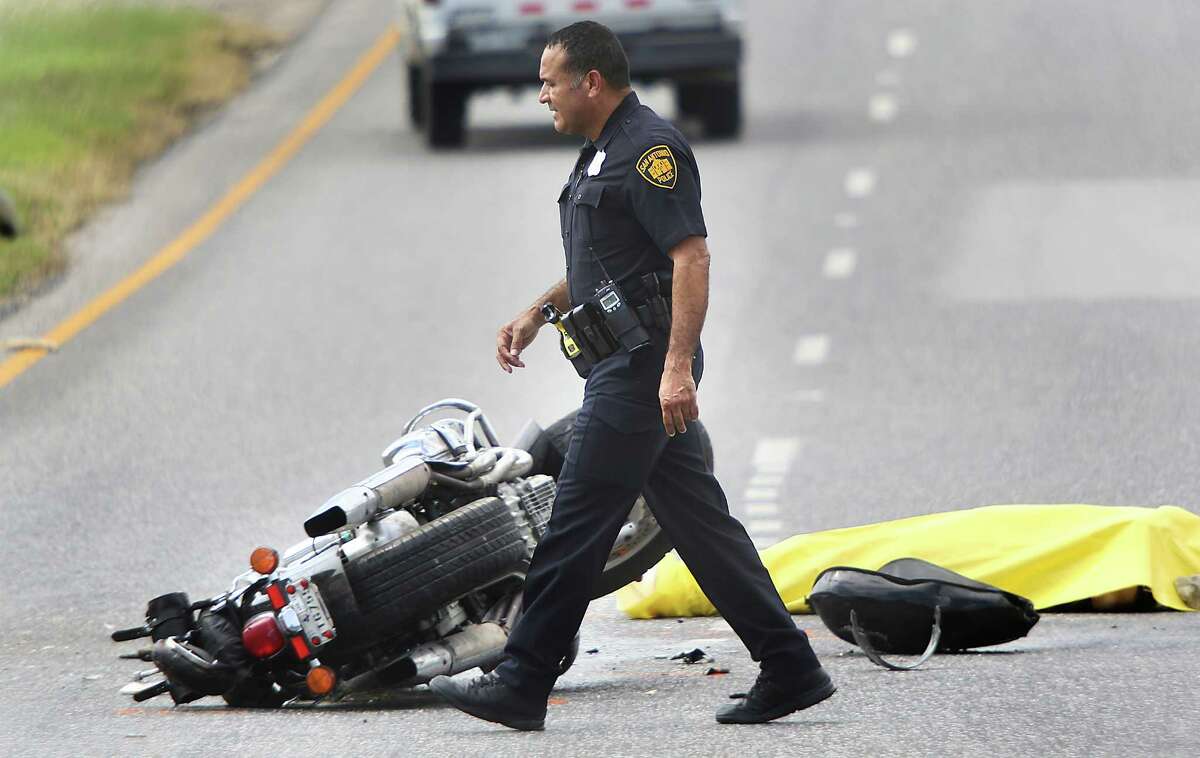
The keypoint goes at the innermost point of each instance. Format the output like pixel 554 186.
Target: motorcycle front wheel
pixel 641 542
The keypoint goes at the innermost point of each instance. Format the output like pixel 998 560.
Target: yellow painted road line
pixel 203 228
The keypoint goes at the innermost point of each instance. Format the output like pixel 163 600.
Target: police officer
pixel 631 206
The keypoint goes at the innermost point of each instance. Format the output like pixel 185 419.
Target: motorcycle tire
pixel 465 550
pixel 621 569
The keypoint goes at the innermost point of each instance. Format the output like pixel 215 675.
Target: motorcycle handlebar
pixel 132 633
pixel 152 691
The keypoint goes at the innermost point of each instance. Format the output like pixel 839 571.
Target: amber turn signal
pixel 264 560
pixel 320 680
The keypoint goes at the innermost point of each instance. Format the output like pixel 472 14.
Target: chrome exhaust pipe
pixel 404 480
pixel 478 645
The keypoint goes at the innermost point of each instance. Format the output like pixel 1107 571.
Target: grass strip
pixel 86 92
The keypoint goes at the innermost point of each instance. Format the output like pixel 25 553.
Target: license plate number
pixel 314 616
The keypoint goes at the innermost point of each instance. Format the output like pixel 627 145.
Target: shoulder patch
pixel 657 166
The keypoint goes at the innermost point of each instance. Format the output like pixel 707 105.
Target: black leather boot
pixel 773 696
pixel 489 698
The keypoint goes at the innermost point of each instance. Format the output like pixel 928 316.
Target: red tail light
pixel 261 636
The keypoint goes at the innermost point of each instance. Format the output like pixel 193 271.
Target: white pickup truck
pixel 452 48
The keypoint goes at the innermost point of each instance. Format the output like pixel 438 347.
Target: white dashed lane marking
pixel 775 453
pixel 762 509
pixel 882 107
pixel 845 220
pixel 765 527
pixel 860 182
pixel 768 494
pixel 766 480
pixel 901 43
pixel 839 263
pixel 772 459
pixel 811 350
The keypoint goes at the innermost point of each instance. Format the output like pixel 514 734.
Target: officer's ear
pixel 594 81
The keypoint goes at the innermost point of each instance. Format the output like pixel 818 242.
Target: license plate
pixel 313 615
pixel 497 40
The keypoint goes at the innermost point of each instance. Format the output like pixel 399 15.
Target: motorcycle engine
pixel 529 499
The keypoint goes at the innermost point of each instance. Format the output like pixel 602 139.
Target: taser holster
pixel 607 322
pixel 583 338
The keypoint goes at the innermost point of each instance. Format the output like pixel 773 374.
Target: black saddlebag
pixel 895 607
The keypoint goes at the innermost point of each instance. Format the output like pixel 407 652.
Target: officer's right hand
pixel 514 337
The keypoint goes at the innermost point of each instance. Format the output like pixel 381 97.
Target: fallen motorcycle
pixel 413 572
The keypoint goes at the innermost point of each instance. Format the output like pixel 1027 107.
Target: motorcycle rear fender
pixel 310 565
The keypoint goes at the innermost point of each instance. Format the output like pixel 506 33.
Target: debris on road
pixel 715 671
pixel 593 651
pixel 692 657
pixel 13 344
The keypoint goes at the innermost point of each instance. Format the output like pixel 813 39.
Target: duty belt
pixel 652 320
pixel 608 322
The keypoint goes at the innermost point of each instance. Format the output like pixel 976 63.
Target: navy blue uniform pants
pixel 619 448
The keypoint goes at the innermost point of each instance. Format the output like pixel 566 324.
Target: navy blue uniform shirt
pixel 633 195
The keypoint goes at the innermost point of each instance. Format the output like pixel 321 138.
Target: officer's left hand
pixel 677 396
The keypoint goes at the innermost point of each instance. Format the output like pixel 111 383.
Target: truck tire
pixel 716 101
pixel 723 110
pixel 416 95
pixel 445 112
pixel 465 550
pixel 628 567
pixel 689 99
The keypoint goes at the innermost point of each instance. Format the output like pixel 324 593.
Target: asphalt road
pixel 952 266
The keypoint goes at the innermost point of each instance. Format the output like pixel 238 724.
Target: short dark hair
pixel 590 45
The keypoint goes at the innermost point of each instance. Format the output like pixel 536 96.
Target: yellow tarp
pixel 1051 554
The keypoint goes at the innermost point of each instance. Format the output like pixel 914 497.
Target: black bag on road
pixel 896 607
